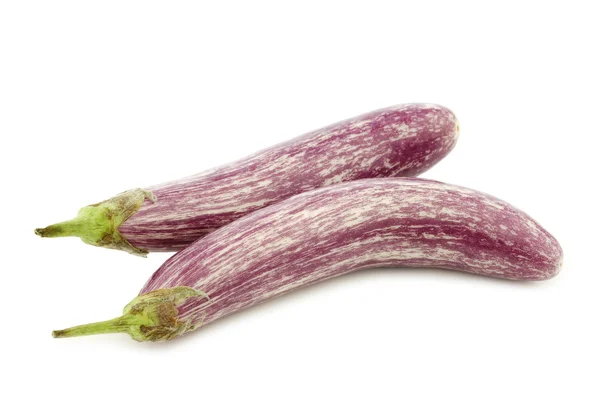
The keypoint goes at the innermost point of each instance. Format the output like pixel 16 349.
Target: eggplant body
pixel 363 224
pixel 400 141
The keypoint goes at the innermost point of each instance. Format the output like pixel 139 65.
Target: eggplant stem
pixel 114 325
pixel 98 224
pixel 151 316
pixel 73 227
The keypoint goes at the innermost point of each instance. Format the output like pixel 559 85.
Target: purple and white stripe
pixel 362 224
pixel 404 140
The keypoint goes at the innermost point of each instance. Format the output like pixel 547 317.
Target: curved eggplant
pixel 332 231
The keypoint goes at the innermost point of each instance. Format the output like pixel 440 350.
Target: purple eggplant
pixel 399 141
pixel 328 232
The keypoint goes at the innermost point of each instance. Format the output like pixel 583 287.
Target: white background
pixel 100 97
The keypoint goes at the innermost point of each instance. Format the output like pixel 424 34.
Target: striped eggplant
pixel 328 232
pixel 404 140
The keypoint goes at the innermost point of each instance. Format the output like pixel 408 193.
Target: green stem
pixel 98 224
pixel 78 227
pixel 115 325
pixel 151 316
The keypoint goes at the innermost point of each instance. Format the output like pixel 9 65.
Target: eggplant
pixel 328 232
pixel 400 141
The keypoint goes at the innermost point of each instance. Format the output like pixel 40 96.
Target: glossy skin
pixel 399 141
pixel 362 224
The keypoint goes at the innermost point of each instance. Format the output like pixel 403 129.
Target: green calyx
pixel 98 224
pixel 148 317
